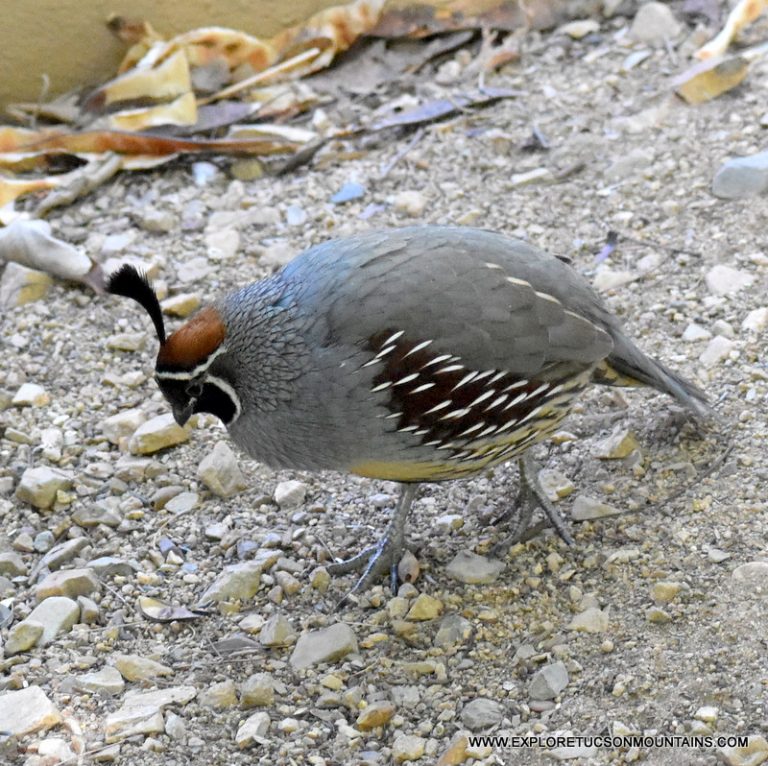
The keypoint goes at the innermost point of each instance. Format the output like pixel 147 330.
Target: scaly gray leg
pixel 386 554
pixel 531 496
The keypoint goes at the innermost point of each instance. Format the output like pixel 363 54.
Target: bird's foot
pixel 530 497
pixel 374 562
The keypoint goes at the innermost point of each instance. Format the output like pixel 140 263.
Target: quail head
pixel 418 354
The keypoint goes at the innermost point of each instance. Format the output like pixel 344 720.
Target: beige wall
pixel 69 41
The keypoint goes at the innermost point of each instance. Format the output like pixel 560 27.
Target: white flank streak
pixel 373 361
pixel 407 379
pixel 432 443
pixel 519 398
pixel 538 391
pixel 532 414
pixel 393 416
pixel 421 432
pixel 456 414
pixel 441 406
pixel 195 371
pixel 494 266
pixel 520 282
pixel 463 455
pixel 465 379
pixel 423 387
pixel 483 397
pixel 417 348
pixel 485 374
pixel 450 368
pixel 393 338
pixel 472 428
pixel 548 297
pixel 406 429
pixel 556 390
pixel 517 384
pixel 488 431
pixel 385 351
pixel 450 445
pixel 511 424
pixel 381 387
pixel 497 376
pixel 496 402
pixel 437 360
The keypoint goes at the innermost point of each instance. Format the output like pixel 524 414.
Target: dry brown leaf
pixel 13 188
pixel 706 80
pixel 158 611
pixel 182 111
pixel 99 141
pixel 744 13
pixel 169 79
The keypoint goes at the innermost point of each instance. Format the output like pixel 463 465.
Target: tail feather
pixel 627 365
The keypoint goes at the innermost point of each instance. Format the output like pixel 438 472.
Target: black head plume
pixel 131 283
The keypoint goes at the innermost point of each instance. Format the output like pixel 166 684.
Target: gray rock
pixel 56 614
pixel 472 569
pixel 30 395
pixel 120 427
pixel 717 351
pixel 408 747
pixel 220 696
pixel 454 629
pixel 67 582
pixel 220 472
pixel 548 682
pixel 481 714
pixel 38 486
pixel 11 564
pixel 253 728
pixel 89 610
pixel 22 637
pixel 157 434
pixel 26 711
pixel 95 514
pixel 290 494
pixel 134 667
pixel 726 280
pixel 742 177
pixel 591 620
pixel 753 572
pixel 257 690
pixel 654 24
pixel 325 645
pixel 106 681
pixel 586 507
pixel 240 581
pixel 44 541
pixel 175 727
pixel 277 631
pixel 142 712
pixel 109 566
pixel 157 221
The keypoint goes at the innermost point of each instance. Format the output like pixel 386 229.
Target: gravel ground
pixel 649 624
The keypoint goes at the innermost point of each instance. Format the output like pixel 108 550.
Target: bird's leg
pixel 386 554
pixel 531 496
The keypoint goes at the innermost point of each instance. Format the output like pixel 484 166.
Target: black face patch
pixel 217 402
pixel 175 391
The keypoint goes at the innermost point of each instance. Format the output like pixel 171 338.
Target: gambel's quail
pixel 418 354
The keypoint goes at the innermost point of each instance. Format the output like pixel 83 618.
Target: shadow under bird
pixel 418 354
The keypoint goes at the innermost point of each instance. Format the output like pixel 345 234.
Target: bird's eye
pixel 195 389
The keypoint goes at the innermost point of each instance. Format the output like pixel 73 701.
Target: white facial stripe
pixel 193 373
pixel 229 391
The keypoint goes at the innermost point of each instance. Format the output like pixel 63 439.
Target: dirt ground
pixel 624 155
